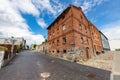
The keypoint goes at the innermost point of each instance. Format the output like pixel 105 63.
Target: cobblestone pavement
pixel 29 65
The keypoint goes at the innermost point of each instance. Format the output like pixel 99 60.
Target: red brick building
pixel 72 33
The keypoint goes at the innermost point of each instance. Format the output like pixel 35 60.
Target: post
pixel 12 48
pixel 1 58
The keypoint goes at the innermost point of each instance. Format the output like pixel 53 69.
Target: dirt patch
pixel 91 75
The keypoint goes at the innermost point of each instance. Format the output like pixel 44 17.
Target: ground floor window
pixel 64 51
pixel 58 51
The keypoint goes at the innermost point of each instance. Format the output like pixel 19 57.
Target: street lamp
pixel 12 48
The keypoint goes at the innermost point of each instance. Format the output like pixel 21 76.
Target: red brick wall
pixel 95 35
pixel 77 27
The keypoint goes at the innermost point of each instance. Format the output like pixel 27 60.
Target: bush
pixel 117 49
pixel 18 48
pixel 3 48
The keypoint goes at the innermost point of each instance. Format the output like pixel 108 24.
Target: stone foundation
pixel 72 54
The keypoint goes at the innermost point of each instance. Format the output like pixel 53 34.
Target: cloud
pixel 41 23
pixel 114 44
pixel 87 5
pixel 112 31
pixel 13 24
pixel 44 5
pixel 25 6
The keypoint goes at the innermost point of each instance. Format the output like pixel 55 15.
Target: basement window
pixel 64 51
pixel 58 51
pixel 53 51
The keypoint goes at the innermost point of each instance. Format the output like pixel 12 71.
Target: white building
pixel 15 40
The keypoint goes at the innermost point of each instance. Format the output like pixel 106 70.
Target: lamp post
pixel 12 48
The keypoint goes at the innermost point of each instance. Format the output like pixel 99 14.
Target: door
pixel 87 53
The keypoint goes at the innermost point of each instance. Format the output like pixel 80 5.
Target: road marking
pixel 38 63
pixel 52 61
pixel 45 75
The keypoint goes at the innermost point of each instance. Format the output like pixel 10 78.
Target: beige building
pixel 16 41
pixel 42 48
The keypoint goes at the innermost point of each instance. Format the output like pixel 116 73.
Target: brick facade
pixel 71 33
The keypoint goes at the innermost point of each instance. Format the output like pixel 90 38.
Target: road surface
pixel 29 65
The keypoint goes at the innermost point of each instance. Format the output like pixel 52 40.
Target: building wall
pixel 17 41
pixel 80 36
pixel 42 48
pixel 96 38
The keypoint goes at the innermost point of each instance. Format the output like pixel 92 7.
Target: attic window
pixel 64 27
pixel 81 17
pixel 63 16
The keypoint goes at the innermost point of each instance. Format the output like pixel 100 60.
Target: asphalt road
pixel 29 65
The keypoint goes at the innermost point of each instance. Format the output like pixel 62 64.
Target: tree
pixel 34 46
pixel 44 41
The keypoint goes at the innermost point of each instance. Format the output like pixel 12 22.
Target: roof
pixel 103 35
pixel 62 14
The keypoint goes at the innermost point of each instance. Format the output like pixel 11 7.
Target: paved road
pixel 35 66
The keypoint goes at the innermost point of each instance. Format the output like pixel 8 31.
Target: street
pixel 29 65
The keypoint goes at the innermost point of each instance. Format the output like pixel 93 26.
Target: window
pixel 64 40
pixel 50 43
pixel 58 42
pixel 63 16
pixel 82 40
pixel 53 42
pixel 58 51
pixel 58 28
pixel 53 33
pixel 81 17
pixel 64 51
pixel 80 26
pixel 87 41
pixel 64 27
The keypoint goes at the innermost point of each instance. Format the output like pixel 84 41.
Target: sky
pixel 30 18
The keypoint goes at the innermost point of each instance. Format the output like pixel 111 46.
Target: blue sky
pixel 30 18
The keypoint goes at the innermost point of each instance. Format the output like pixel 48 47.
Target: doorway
pixel 87 53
